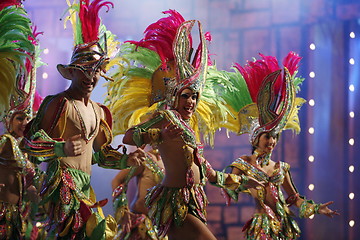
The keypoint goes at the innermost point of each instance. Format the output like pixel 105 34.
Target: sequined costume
pixel 141 225
pixel 66 191
pixel 68 179
pixel 146 91
pixel 17 174
pixel 18 101
pixel 265 105
pixel 168 205
pixel 172 204
pixel 272 220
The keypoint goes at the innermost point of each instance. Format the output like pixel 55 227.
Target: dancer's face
pixel 18 124
pixel 84 84
pixel 267 142
pixel 187 103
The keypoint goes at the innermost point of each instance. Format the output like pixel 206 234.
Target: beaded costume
pixel 167 204
pixel 273 223
pixel 266 103
pixel 141 225
pixel 14 217
pixel 66 190
pixel 147 86
pixel 18 62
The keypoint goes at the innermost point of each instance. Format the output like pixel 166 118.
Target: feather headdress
pixel 156 69
pixel 266 98
pixel 17 61
pixel 88 53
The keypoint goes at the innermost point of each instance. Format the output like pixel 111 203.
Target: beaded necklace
pixel 262 159
pixel 188 135
pixel 82 123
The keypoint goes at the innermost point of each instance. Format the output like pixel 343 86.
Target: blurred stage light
pixel 311 130
pixel 312 46
pixel 351 196
pixel 351 223
pixel 352 87
pixel 45 75
pixel 312 102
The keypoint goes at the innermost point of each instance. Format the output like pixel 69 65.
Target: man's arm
pixel 39 142
pixel 108 157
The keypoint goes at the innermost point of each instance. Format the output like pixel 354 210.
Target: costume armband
pixel 244 181
pixel 154 136
pixel 220 179
pixel 46 148
pixel 108 157
pixel 308 208
pixel 229 180
pixel 138 136
pixel 145 128
pixel 59 149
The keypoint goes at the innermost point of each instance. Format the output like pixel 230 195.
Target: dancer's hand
pixel 126 221
pixel 170 131
pixel 323 209
pixel 74 146
pixel 33 194
pixel 136 158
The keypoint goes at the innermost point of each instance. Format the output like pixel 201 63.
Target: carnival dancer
pixel 172 86
pixel 133 221
pixel 71 132
pixel 265 107
pixel 17 103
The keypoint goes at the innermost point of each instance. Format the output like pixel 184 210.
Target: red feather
pixel 255 72
pixel 89 17
pixel 159 36
pixel 7 3
pixel 197 58
pixel 291 62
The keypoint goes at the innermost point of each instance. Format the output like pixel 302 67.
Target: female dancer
pixel 181 109
pixel 134 222
pixel 269 106
pixel 17 70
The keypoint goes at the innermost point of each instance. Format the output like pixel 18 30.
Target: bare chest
pixel 85 118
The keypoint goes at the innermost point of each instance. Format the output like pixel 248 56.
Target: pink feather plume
pixel 255 72
pixel 7 3
pixel 159 36
pixel 89 17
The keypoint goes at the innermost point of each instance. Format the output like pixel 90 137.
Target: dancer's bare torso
pixel 79 118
